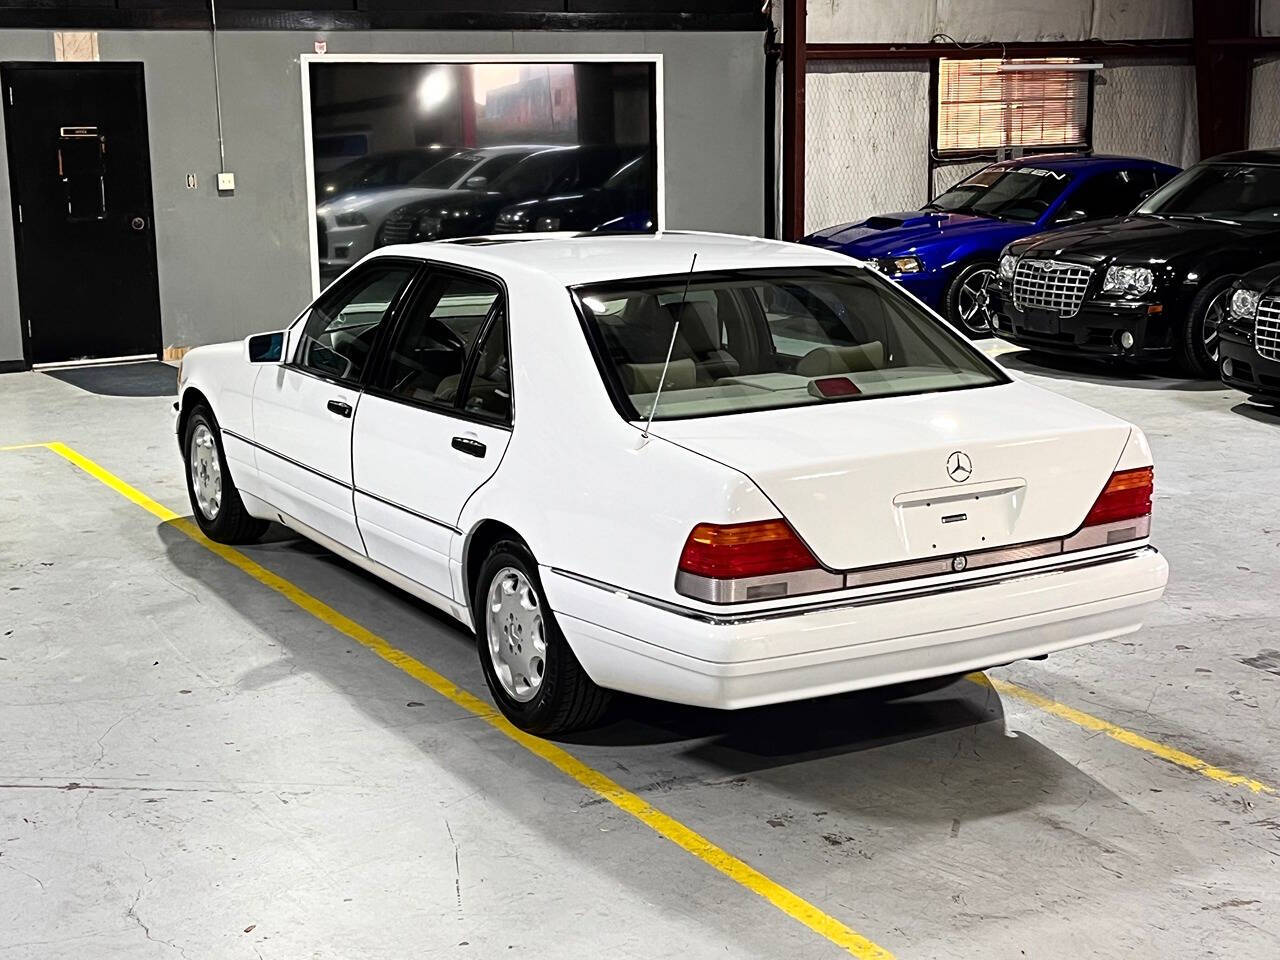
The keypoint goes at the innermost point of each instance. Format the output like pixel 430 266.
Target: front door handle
pixel 469 446
pixel 340 407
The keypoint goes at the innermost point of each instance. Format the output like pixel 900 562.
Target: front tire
pixel 967 303
pixel 1198 347
pixel 215 501
pixel 531 671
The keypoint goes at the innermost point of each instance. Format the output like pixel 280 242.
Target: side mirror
pixel 1147 192
pixel 1070 216
pixel 476 183
pixel 264 347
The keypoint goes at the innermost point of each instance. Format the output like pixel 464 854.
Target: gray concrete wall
pixel 232 265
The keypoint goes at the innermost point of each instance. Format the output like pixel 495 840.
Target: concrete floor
pixel 192 766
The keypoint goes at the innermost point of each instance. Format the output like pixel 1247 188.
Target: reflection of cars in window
pixel 380 170
pixel 348 221
pixel 550 172
pixel 774 476
pixel 1155 284
pixel 946 252
pixel 628 192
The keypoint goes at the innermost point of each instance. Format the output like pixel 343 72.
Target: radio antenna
pixel 675 328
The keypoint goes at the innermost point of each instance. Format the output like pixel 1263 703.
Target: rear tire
pixel 1198 346
pixel 966 302
pixel 534 678
pixel 215 501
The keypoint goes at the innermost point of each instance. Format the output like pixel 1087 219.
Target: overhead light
pixel 1015 67
pixel 434 89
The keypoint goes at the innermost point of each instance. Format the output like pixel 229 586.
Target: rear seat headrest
pixel 825 361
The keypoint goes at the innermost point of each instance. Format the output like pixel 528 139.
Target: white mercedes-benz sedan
pixel 708 469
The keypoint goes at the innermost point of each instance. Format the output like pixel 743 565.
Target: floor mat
pixel 151 378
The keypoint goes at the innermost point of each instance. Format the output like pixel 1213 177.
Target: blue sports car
pixel 946 252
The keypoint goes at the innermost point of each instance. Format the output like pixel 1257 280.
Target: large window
pixel 407 150
pixel 985 107
pixel 760 339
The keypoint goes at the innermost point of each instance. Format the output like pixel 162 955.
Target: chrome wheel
pixel 974 303
pixel 206 472
pixel 516 633
pixel 1214 316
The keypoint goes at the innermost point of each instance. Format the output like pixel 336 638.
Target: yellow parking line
pixel 1127 737
pixel 682 836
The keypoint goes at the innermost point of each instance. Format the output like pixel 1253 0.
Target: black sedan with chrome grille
pixel 1250 352
pixel 1152 285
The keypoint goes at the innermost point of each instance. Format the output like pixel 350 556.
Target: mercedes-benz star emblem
pixel 959 466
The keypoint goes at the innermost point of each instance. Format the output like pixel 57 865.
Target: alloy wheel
pixel 974 302
pixel 1214 316
pixel 206 472
pixel 516 634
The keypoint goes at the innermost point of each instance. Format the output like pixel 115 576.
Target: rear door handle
pixel 469 446
pixel 340 407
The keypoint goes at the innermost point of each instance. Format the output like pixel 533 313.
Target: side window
pixel 488 393
pixel 1110 194
pixel 428 353
pixel 338 334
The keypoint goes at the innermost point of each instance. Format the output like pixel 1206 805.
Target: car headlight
pixel 1244 304
pixel 547 223
pixel 896 266
pixel 1008 263
pixel 350 220
pixel 1129 281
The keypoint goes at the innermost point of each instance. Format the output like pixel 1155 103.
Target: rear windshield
pixel 763 339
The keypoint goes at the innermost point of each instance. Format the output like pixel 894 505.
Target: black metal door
pixel 80 183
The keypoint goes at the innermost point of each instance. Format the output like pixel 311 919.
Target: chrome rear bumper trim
pixel 908 593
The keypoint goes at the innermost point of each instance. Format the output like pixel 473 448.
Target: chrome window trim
pixel 909 593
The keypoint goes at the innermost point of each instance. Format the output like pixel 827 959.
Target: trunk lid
pixel 869 482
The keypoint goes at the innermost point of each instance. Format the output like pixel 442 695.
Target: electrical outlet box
pixel 226 181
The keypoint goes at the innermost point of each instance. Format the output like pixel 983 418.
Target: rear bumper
pixel 1094 331
pixel 1246 370
pixel 688 657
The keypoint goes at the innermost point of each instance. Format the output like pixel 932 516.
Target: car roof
pixel 1271 156
pixel 1076 161
pixel 573 259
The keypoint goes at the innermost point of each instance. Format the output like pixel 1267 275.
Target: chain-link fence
pixel 867 136
pixel 1147 109
pixel 1264 113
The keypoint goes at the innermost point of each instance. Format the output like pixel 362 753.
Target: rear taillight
pixel 1126 496
pixel 735 562
pixel 1121 512
pixel 744 550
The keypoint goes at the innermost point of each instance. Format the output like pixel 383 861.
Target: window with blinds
pixel 983 108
